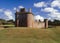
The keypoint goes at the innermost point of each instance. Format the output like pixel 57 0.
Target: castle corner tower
pixel 23 18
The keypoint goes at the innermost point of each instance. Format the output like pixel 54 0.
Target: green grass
pixel 8 25
pixel 30 35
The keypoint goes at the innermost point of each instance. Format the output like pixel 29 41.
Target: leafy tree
pixel 54 23
pixel 10 21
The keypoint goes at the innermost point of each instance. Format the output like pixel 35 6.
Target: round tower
pixel 30 18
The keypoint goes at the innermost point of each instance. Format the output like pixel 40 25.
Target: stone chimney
pixel 46 23
pixel 30 10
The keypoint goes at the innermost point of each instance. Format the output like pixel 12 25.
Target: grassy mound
pixel 29 35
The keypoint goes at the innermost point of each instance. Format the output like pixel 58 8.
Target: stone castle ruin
pixel 26 19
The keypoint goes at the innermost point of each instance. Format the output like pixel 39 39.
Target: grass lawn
pixel 30 35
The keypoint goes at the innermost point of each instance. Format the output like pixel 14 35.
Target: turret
pixel 46 23
pixel 22 10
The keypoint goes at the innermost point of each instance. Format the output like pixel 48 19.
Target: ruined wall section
pixel 39 25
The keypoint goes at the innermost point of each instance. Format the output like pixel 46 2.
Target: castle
pixel 26 19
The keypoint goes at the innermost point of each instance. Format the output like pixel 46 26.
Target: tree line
pixel 54 23
pixel 12 22
pixel 6 22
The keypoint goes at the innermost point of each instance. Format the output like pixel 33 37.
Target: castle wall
pixel 39 25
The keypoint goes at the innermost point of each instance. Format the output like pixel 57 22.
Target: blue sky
pixel 43 8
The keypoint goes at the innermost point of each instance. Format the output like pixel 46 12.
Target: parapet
pixel 22 10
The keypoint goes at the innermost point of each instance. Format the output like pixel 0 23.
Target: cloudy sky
pixel 42 8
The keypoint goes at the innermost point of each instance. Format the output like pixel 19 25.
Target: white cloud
pixel 50 19
pixel 40 4
pixel 8 13
pixel 15 8
pixel 54 13
pixel 38 17
pixel 56 0
pixel 20 7
pixel 1 10
pixel 55 3
pixel 49 9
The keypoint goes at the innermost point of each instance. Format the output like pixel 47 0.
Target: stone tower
pixel 30 18
pixel 23 18
pixel 46 23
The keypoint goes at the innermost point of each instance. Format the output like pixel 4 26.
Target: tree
pixel 10 21
pixel 54 23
